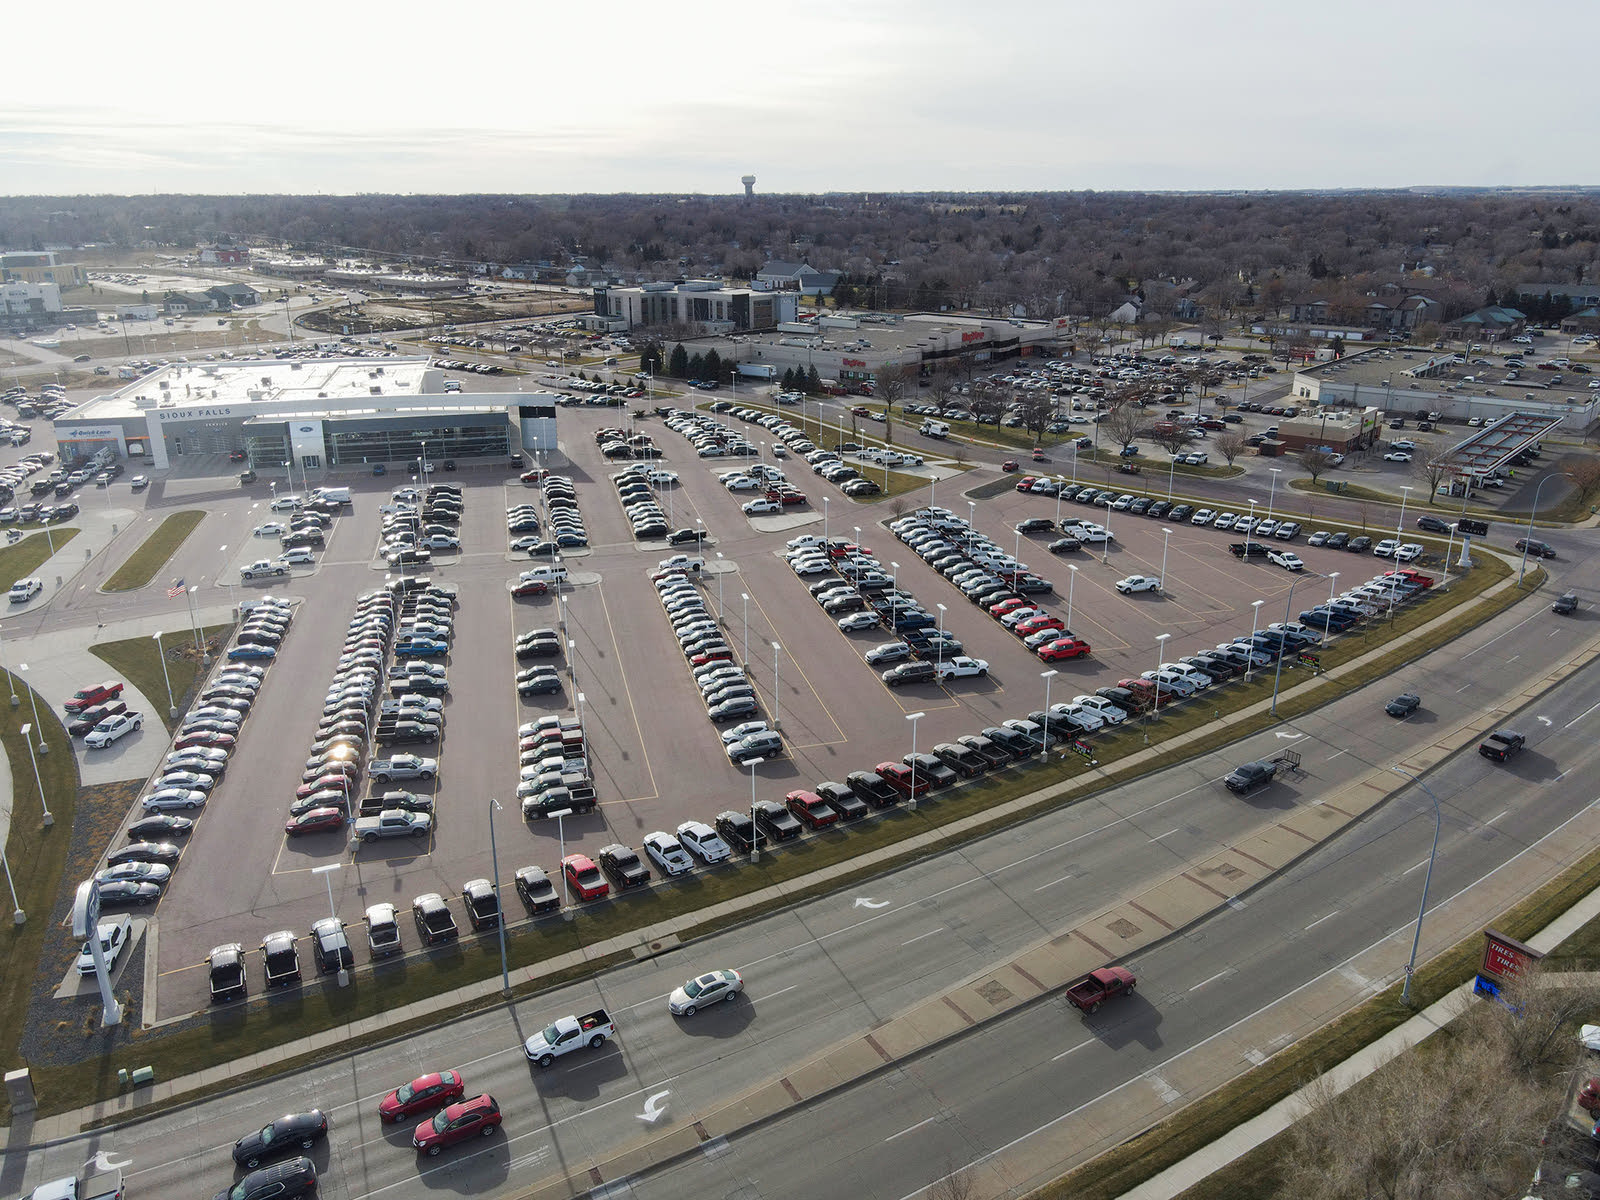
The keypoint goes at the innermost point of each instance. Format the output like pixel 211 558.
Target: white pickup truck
pixel 96 1183
pixel 393 823
pixel 569 1033
pixel 960 667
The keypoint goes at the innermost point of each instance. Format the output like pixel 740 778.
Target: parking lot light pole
pixel 776 651
pixel 911 806
pixel 1250 651
pixel 49 820
pixel 755 848
pixel 1332 577
pixel 1277 673
pixel 572 665
pixel 1072 582
pixel 1161 650
pixel 1060 483
pixel 894 600
pixel 494 858
pixel 1250 528
pixel 1171 470
pixel 745 596
pixel 1405 494
pixel 1047 676
pixel 1533 512
pixel 972 519
pixel 1161 582
pixel 721 616
pixel 326 871
pixel 1105 546
pixel 172 708
pixel 1074 462
pixel 561 815
pixel 1427 880
pixel 1272 492
pixel 941 609
pixel 824 520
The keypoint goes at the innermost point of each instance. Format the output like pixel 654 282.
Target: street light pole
pixel 1161 650
pixel 1047 676
pixel 560 815
pixel 172 708
pixel 33 700
pixel 1523 565
pixel 1427 880
pixel 39 783
pixel 941 609
pixel 721 616
pixel 1332 576
pixel 1250 651
pixel 1277 673
pixel 326 871
pixel 1072 583
pixel 1161 583
pixel 745 597
pixel 776 650
pixel 1273 490
pixel 494 857
pixel 755 834
pixel 824 520
pixel 911 806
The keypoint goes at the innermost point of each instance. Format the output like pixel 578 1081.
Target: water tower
pixel 749 182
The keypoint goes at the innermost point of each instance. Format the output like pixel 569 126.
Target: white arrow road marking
pixel 654 1107
pixel 863 902
pixel 1544 720
pixel 1289 736
pixel 102 1162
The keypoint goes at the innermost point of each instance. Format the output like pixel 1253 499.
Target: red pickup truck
pixel 1095 988
pixel 90 696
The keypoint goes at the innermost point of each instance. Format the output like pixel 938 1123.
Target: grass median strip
pixel 32 552
pixel 154 552
pixel 136 661
pixel 265 1022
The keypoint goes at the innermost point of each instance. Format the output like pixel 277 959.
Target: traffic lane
pixel 980 1088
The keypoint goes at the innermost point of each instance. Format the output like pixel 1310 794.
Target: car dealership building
pixel 317 412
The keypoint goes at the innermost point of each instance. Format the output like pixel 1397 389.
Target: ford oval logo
pixel 308 428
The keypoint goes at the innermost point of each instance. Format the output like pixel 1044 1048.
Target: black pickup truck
pixel 1248 549
pixel 1502 744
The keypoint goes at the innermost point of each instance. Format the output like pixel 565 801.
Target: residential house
pixel 234 295
pixel 178 303
pixel 1492 324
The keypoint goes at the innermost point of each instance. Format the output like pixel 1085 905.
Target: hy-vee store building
pixel 319 413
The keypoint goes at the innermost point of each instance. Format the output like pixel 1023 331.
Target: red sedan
pixel 428 1091
pixel 223 741
pixel 318 820
pixel 585 877
pixel 479 1116
pixel 1067 647
pixel 323 783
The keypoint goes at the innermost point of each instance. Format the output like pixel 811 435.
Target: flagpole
pixel 194 620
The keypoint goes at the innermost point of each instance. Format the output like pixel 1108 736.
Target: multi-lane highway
pixel 829 969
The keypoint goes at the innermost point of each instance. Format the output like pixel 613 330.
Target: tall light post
pixel 1161 650
pixel 1105 546
pixel 776 650
pixel 1523 565
pixel 1427 880
pixel 745 597
pixel 172 708
pixel 1332 576
pixel 1166 535
pixel 33 700
pixel 894 599
pixel 1249 529
pixel 1405 494
pixel 972 518
pixel 572 663
pixel 15 699
pixel 1172 468
pixel 44 800
pixel 194 620
pixel 941 609
pixel 494 858
pixel 1072 583
pixel 913 718
pixel 326 871
pixel 1074 462
pixel 1047 676
pixel 561 815
pixel 17 915
pixel 721 616
pixel 1250 653
pixel 857 528
pixel 1277 673
pixel 1016 546
pixel 824 519
pixel 755 834
pixel 1060 484
pixel 1273 490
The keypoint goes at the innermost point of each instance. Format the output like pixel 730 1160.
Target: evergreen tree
pixel 712 366
pixel 697 367
pixel 678 366
pixel 813 382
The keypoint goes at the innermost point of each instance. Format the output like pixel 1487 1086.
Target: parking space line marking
pixel 920 936
pixel 1321 919
pixel 1052 883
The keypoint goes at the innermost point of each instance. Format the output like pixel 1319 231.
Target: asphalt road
pixel 830 968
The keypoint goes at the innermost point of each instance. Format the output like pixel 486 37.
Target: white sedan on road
pixel 1397 456
pixel 270 529
pixel 710 988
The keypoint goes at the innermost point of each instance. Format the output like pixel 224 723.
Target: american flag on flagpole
pixel 175 590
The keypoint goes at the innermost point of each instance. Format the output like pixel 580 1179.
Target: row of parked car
pixel 566 528
pixel 638 487
pixel 710 437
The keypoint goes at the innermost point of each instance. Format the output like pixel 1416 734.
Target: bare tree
pixel 941 388
pixel 1230 445
pixel 1036 411
pixel 1315 462
pixel 987 407
pixel 1125 423
pixel 898 506
pixel 961 452
pixel 1174 440
pixel 957 1184
pixel 891 386
pixel 1431 472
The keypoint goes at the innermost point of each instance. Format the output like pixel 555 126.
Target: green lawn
pixel 22 559
pixel 154 552
pixel 135 660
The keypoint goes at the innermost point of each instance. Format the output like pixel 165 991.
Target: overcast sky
pixel 342 97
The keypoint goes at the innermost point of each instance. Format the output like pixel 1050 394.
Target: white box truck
pixel 935 429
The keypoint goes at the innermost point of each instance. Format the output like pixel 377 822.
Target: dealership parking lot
pixel 656 759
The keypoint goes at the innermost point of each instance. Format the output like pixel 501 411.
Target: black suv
pixel 282 1181
pixel 909 672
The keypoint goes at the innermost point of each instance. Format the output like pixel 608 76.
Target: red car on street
pixel 426 1091
pixel 1067 647
pixel 478 1117
pixel 1010 464
pixel 585 877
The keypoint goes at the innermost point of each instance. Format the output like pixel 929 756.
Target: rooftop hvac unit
pixel 375 390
